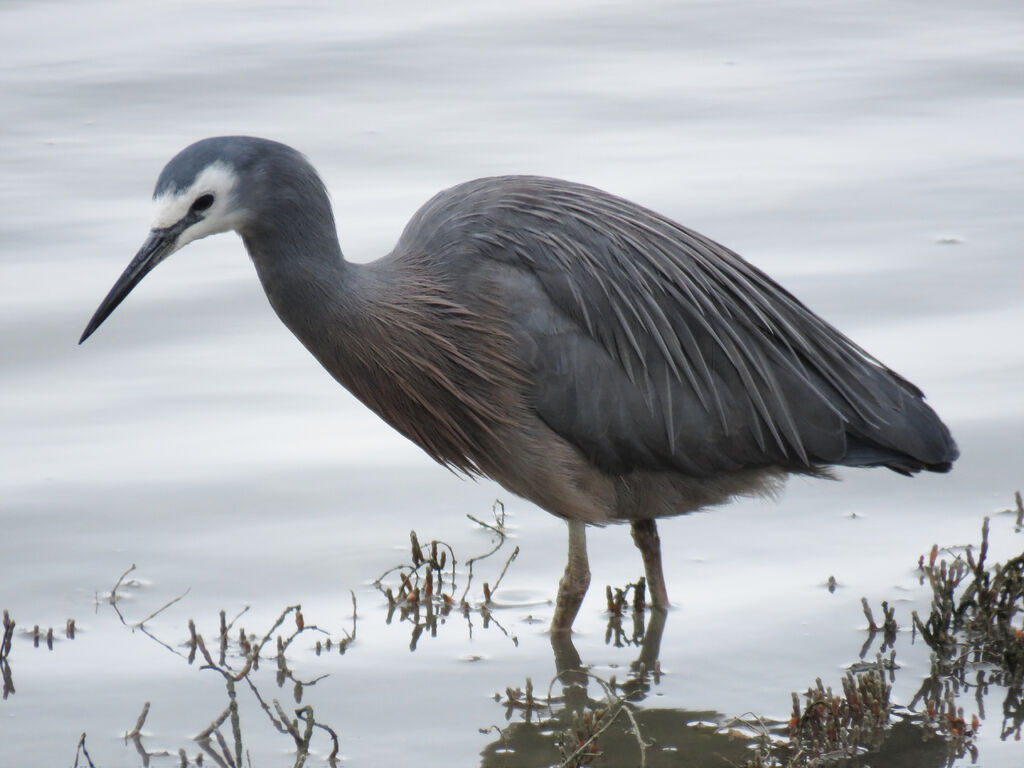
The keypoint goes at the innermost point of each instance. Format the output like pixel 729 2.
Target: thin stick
pixel 308 711
pixel 208 747
pixel 288 724
pixel 208 731
pixel 515 553
pixel 206 653
pixel 138 723
pixel 872 627
pixel 84 751
pixel 488 617
pixel 486 525
pixel 113 592
pixel 266 707
pixel 303 745
pixel 5 644
pixel 162 608
pixel 236 727
pixel 352 637
pixel 224 749
pixel 469 563
pixel 156 639
pixel 237 617
pixel 278 623
pixel 113 595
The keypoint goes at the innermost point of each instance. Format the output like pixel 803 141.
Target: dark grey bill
pixel 156 248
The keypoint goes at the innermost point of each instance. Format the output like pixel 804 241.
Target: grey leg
pixel 645 536
pixel 575 580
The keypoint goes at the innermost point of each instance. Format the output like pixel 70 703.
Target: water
pixel 867 156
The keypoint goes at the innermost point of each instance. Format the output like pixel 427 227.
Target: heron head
pixel 208 187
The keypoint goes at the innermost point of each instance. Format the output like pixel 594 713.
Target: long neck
pixel 300 265
pixel 392 336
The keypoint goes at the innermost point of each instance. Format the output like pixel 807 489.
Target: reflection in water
pixel 425 596
pixel 977 641
pixel 5 649
pixel 38 637
pixel 975 630
pixel 582 718
pixel 238 658
pixel 575 729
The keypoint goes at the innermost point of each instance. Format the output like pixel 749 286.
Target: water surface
pixel 868 156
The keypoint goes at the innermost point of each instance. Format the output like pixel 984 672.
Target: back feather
pixel 652 347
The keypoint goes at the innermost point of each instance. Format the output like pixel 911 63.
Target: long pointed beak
pixel 158 246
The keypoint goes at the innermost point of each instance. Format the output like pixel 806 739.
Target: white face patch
pixel 217 179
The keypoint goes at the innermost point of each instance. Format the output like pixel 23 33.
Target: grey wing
pixel 650 346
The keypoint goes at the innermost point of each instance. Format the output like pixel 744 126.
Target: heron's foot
pixel 658 592
pixel 571 591
pixel 575 581
pixel 645 536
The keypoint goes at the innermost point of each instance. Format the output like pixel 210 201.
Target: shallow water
pixel 868 156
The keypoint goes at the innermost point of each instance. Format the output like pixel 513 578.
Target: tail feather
pixel 911 440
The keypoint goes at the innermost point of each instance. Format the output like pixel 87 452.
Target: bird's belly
pixel 536 463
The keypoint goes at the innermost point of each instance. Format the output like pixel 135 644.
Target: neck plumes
pixel 390 332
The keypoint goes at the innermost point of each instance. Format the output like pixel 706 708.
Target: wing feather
pixel 652 346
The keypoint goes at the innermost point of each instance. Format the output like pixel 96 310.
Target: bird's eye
pixel 202 203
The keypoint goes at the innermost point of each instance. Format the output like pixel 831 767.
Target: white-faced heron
pixel 588 354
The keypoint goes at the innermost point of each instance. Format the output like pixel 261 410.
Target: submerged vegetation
pixel 39 638
pixel 427 589
pixel 973 631
pixel 424 598
pixel 237 656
